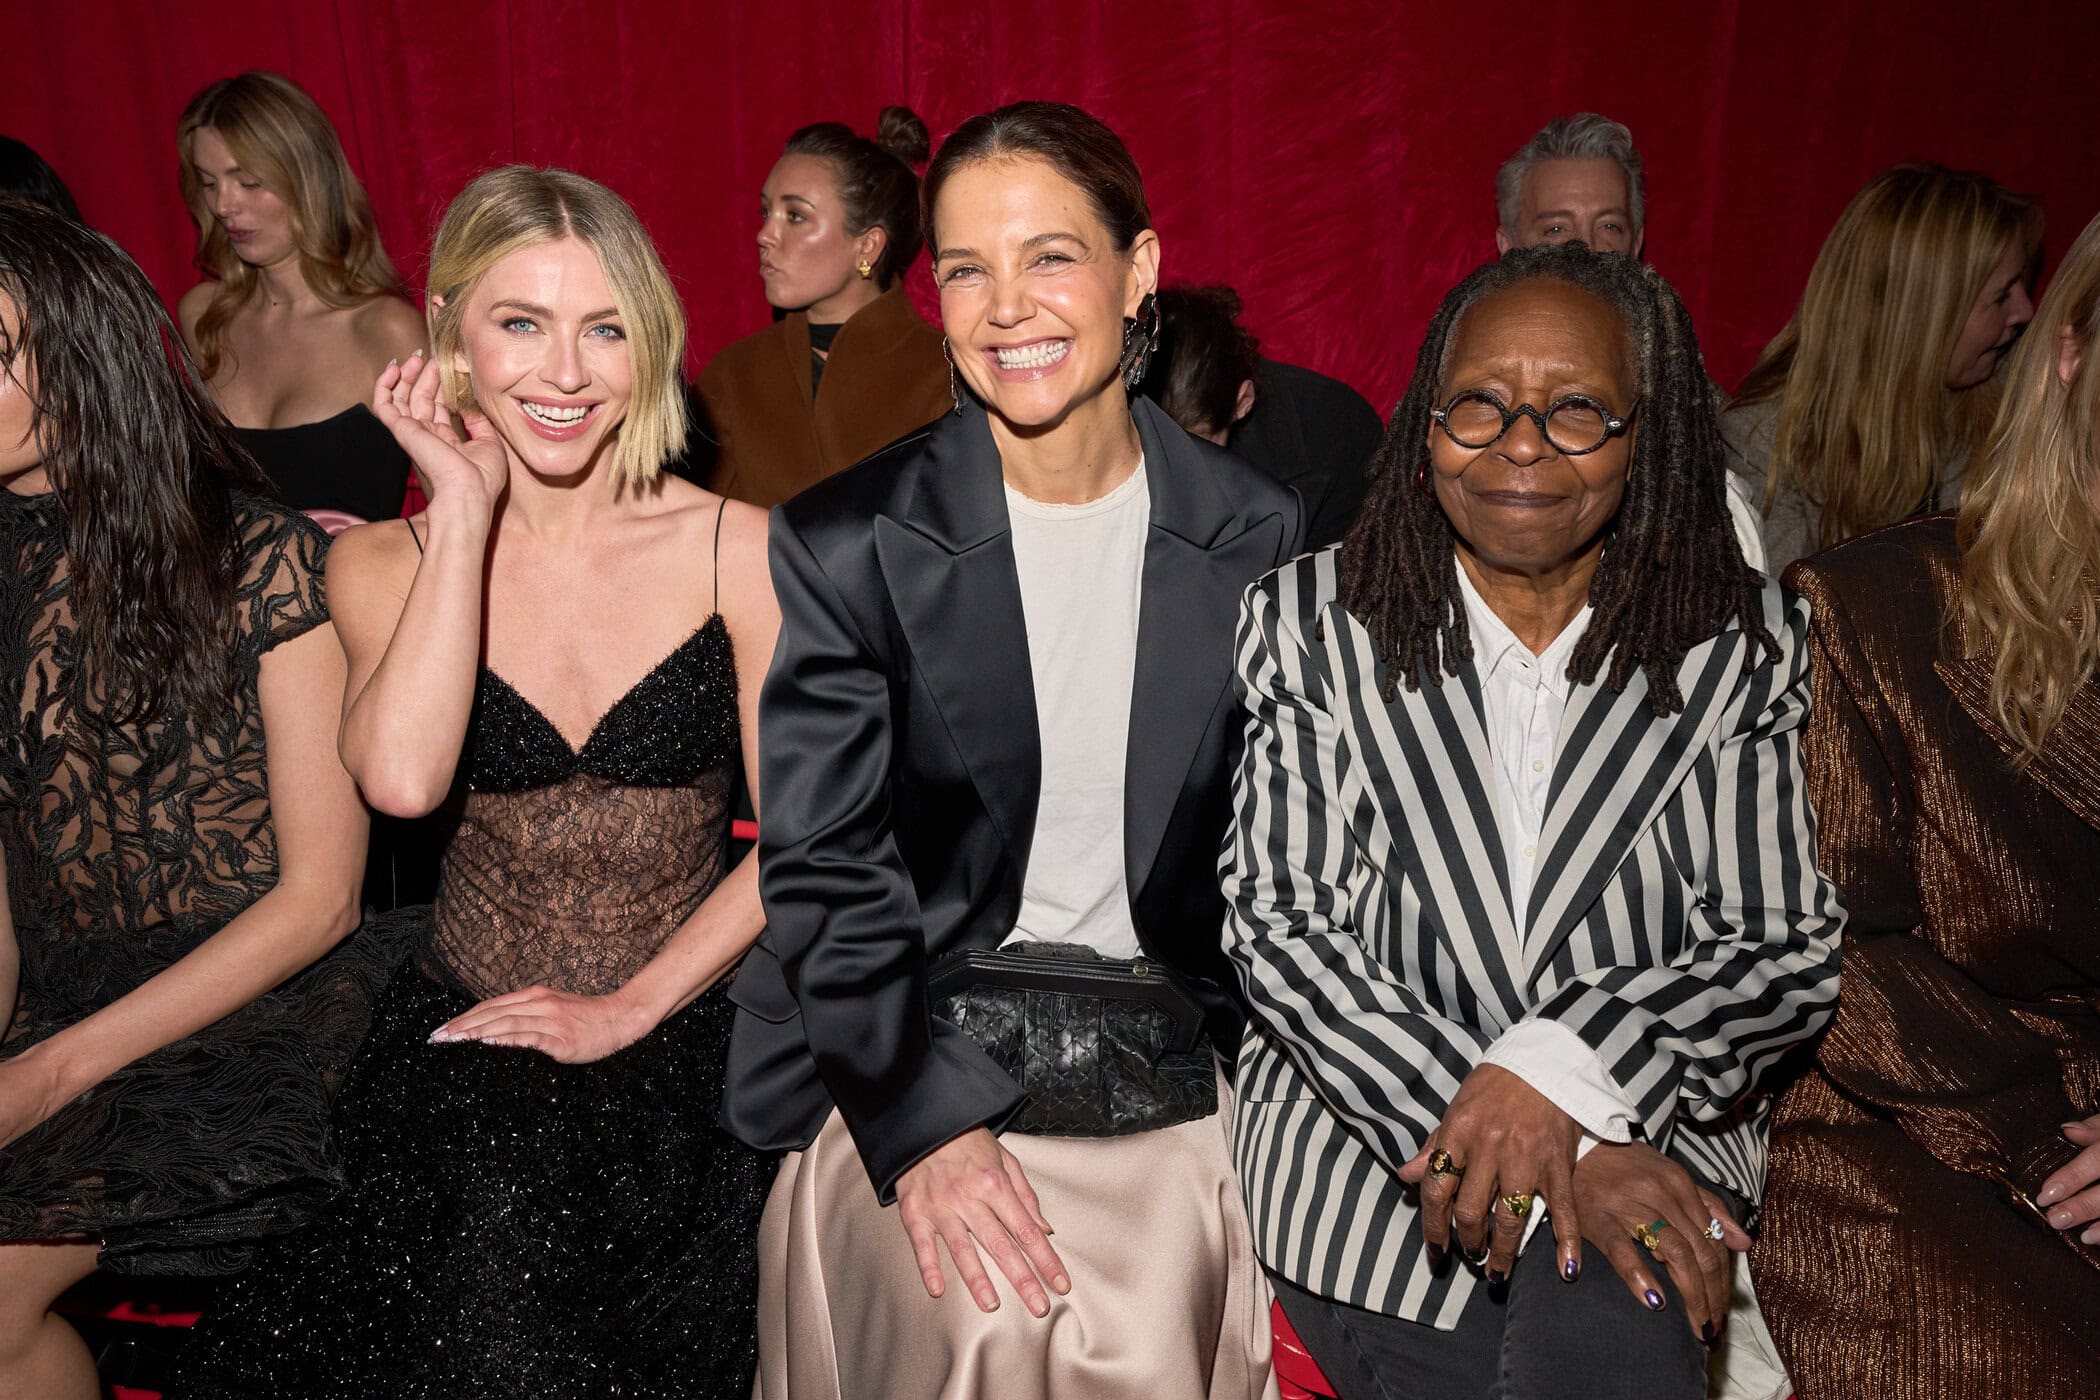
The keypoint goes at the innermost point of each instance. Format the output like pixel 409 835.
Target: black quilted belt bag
pixel 1103 1047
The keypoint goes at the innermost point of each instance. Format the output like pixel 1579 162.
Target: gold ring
pixel 1650 1236
pixel 1440 1164
pixel 1518 1203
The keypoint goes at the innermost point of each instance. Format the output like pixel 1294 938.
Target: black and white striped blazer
pixel 1677 922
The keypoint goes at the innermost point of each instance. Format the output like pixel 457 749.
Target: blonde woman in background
pixel 300 308
pixel 541 1201
pixel 1932 1222
pixel 1867 407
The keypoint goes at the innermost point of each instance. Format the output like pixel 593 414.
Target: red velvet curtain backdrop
pixel 1331 160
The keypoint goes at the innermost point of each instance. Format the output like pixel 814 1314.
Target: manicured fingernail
pixel 1654 1300
pixel 1061 1284
pixel 2060 1218
pixel 418 354
pixel 987 1302
pixel 442 1037
pixel 1039 1306
pixel 2091 1236
pixel 394 363
pixel 1569 1268
pixel 2051 1194
pixel 1494 1277
pixel 1436 1253
pixel 1709 1332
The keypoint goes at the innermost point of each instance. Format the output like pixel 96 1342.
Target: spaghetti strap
pixel 716 586
pixel 413 535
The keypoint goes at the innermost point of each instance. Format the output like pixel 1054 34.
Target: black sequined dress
pixel 516 1226
pixel 127 846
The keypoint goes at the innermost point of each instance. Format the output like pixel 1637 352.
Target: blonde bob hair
pixel 1866 423
pixel 516 206
pixel 2030 524
pixel 282 138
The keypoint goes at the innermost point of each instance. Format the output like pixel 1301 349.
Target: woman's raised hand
pixel 456 467
pixel 1626 1191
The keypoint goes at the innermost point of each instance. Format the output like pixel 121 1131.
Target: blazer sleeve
pixel 1990 1097
pixel 1379 1057
pixel 841 910
pixel 1757 972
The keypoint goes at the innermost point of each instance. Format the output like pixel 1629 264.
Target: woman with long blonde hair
pixel 542 1202
pixel 1945 1146
pixel 1865 409
pixel 300 308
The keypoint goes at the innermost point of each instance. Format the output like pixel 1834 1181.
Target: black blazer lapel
pixel 947 555
pixel 1199 557
pixel 2068 767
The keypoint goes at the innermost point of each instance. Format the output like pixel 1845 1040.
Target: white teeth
pixel 555 417
pixel 1047 352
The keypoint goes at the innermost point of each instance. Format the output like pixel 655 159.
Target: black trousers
pixel 1539 1337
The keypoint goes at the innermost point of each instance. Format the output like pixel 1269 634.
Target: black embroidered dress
pixel 517 1226
pixel 125 849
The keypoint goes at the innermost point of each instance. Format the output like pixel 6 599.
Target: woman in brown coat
pixel 850 368
pixel 1935 1176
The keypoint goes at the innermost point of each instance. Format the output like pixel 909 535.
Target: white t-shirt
pixel 1082 570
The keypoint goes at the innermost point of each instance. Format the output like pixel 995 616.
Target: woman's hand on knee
pixel 1628 1191
pixel 1504 1139
pixel 970 1193
pixel 2072 1194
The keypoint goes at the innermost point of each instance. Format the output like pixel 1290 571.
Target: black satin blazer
pixel 900 768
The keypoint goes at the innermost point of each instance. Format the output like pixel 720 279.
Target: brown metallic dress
pixel 1901 1254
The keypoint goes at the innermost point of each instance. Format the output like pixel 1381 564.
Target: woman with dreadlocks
pixel 1523 892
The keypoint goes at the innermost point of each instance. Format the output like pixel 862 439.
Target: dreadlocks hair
pixel 1673 574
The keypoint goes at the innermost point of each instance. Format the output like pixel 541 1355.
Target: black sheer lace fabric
pixel 570 867
pixel 126 847
pixel 514 1225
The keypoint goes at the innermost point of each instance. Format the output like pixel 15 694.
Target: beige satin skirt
pixel 1167 1301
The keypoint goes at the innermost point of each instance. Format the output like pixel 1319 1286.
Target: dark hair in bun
pixel 877 186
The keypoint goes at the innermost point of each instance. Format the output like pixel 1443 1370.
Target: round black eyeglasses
pixel 1575 424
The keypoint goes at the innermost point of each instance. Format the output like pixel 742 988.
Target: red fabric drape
pixel 1331 160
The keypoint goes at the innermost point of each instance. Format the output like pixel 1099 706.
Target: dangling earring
pixel 867 269
pixel 954 379
pixel 1140 340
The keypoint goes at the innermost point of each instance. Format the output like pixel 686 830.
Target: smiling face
pixel 1994 323
pixel 543 344
pixel 806 257
pixel 1520 504
pixel 1588 198
pixel 257 222
pixel 1034 293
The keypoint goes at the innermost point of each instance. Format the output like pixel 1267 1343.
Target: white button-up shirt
pixel 1525 696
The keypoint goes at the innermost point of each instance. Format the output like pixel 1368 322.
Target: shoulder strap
pixel 412 533
pixel 715 604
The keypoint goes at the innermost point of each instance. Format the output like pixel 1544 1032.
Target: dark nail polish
pixel 1568 1269
pixel 1494 1278
pixel 1710 1332
pixel 1436 1254
pixel 1655 1300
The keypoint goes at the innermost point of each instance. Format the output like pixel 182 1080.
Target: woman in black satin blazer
pixel 902 770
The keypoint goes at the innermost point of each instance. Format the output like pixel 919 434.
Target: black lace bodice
pixel 127 845
pixel 570 867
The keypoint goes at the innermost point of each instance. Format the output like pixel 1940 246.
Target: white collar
pixel 1495 646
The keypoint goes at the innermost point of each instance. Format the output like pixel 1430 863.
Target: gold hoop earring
pixel 867 269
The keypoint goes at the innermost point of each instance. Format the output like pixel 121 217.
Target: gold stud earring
pixel 867 269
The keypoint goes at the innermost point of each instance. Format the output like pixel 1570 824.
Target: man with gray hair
pixel 1580 177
